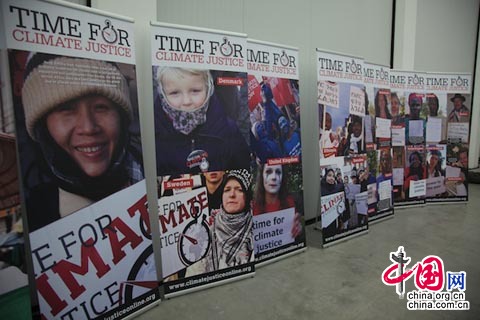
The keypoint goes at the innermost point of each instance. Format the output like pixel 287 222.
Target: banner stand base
pixel 436 203
pixel 410 206
pixel 145 309
pixel 283 256
pixel 210 285
pixel 372 222
pixel 361 233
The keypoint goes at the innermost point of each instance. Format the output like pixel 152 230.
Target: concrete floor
pixel 344 280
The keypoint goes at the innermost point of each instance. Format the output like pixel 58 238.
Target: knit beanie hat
pixel 54 80
pixel 242 176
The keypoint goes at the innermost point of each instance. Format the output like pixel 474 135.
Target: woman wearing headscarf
pixel 231 228
pixel 385 174
pixel 434 168
pixel 328 186
pixel 415 172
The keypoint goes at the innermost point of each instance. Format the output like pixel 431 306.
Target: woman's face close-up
pixel 382 101
pixel 88 130
pixel 395 106
pixel 433 106
pixel 233 198
pixel 330 177
pixel 433 160
pixel 187 92
pixel 272 178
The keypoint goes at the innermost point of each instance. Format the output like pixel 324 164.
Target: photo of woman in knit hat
pixel 79 123
pixel 231 230
pixel 196 129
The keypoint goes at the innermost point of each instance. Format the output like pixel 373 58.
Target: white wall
pixel 362 28
pixel 440 35
pixel 446 35
pixel 474 152
pixel 405 34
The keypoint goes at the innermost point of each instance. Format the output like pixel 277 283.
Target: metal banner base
pixel 410 206
pixel 345 239
pixel 372 222
pixel 436 203
pixel 280 257
pixel 209 285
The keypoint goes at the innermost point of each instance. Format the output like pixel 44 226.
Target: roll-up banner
pixel 408 138
pixel 202 133
pixel 14 290
pixel 273 102
pixel 348 185
pixel 448 103
pixel 76 116
pixel 378 137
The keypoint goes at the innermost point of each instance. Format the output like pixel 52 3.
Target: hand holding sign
pixel 275 229
pixel 297 225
